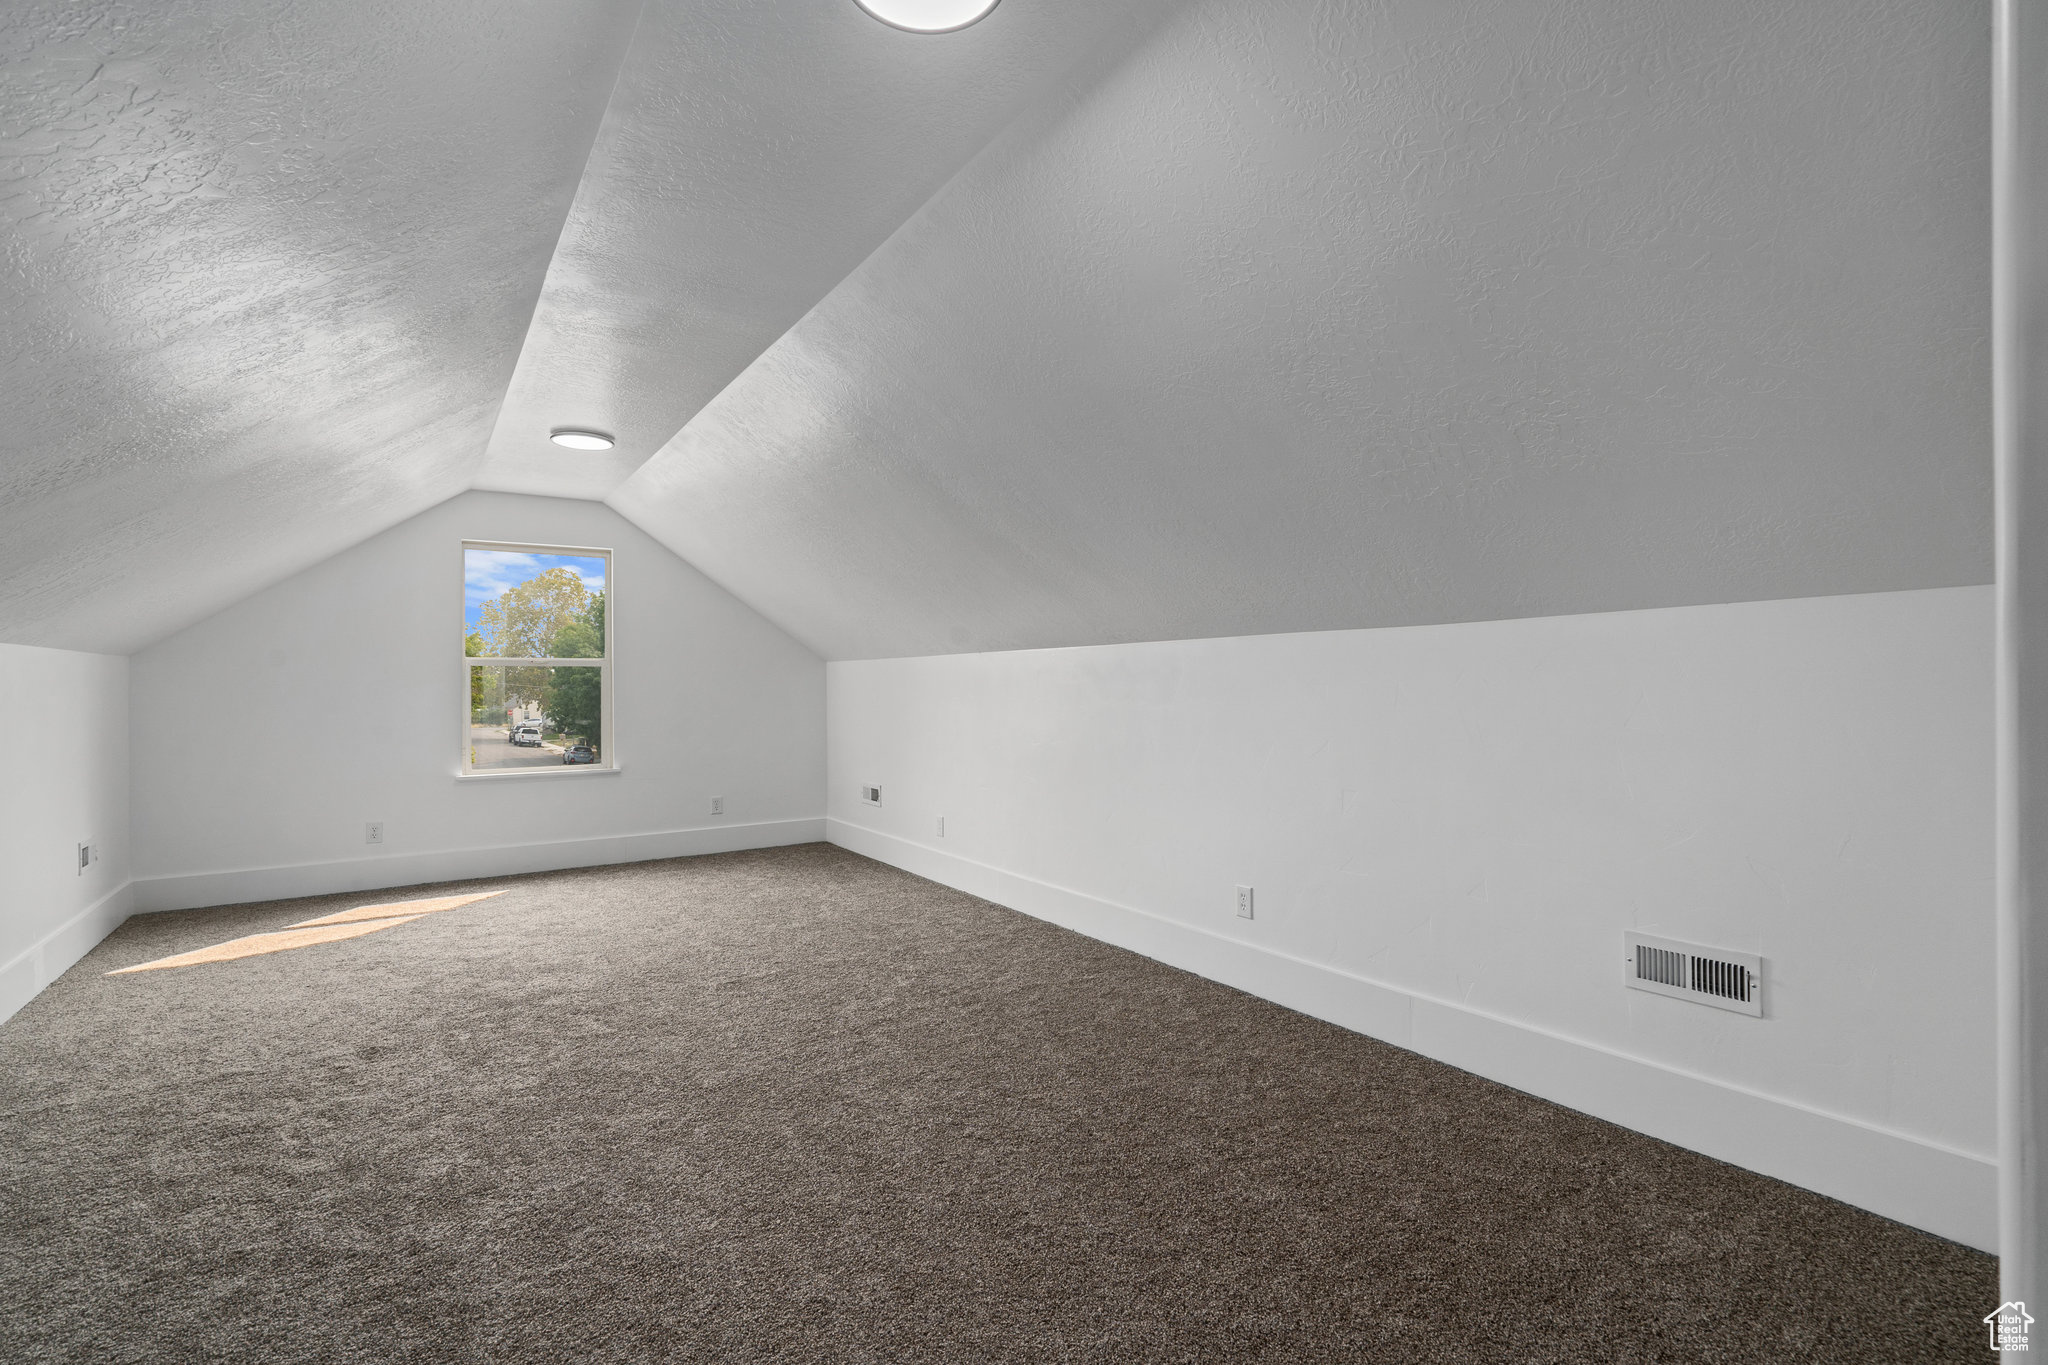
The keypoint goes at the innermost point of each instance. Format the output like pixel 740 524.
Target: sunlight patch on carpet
pixel 345 924
pixel 407 908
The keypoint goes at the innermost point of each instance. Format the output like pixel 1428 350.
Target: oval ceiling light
pixel 578 439
pixel 927 16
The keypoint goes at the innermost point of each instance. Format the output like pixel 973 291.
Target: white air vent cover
pixel 1705 976
pixel 871 795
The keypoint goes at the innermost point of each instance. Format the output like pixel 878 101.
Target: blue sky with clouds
pixel 488 573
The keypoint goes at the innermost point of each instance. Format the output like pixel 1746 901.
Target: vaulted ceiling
pixel 1099 320
pixel 268 268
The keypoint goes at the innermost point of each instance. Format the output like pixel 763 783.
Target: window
pixel 537 647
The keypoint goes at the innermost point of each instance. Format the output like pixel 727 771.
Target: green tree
pixel 473 645
pixel 575 696
pixel 523 621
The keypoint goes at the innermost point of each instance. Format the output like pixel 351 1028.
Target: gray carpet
pixel 793 1105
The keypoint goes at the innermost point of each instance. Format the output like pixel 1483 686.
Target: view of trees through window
pixel 535 604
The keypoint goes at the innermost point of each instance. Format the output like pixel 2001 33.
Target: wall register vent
pixel 871 795
pixel 1687 971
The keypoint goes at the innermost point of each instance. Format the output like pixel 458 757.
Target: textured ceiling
pixel 1093 322
pixel 1312 316
pixel 267 268
pixel 753 154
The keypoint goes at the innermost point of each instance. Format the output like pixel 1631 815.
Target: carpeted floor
pixel 793 1105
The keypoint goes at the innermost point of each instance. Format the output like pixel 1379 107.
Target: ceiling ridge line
pixel 1069 90
pixel 605 124
pixel 1057 103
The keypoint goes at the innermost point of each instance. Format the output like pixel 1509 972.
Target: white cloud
pixel 490 573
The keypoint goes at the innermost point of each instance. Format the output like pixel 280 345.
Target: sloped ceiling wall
pixel 753 154
pixel 268 268
pixel 1101 320
pixel 1312 316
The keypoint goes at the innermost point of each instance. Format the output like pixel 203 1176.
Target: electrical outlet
pixel 942 826
pixel 718 805
pixel 1244 902
pixel 373 833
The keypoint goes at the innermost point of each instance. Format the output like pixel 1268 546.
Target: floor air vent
pixel 1707 976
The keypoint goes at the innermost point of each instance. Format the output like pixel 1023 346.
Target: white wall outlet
pixel 718 805
pixel 373 833
pixel 942 826
pixel 1244 902
pixel 871 795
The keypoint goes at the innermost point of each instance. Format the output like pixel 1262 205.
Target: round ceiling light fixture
pixel 927 16
pixel 577 438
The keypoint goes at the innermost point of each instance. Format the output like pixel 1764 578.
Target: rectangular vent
pixel 1687 971
pixel 871 795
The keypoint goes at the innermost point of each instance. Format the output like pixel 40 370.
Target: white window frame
pixel 610 764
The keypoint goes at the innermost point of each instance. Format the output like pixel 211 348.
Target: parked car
pixel 528 734
pixel 579 753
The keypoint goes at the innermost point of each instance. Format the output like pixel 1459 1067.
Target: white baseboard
pixel 1926 1185
pixel 25 975
pixel 184 891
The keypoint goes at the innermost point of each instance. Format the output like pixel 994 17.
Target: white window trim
pixel 611 764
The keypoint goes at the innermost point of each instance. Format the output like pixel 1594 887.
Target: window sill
pixel 545 774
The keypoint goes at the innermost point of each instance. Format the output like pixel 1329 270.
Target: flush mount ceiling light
pixel 927 16
pixel 577 439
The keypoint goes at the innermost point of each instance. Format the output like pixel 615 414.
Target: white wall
pixel 1450 827
pixel 65 783
pixel 266 736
